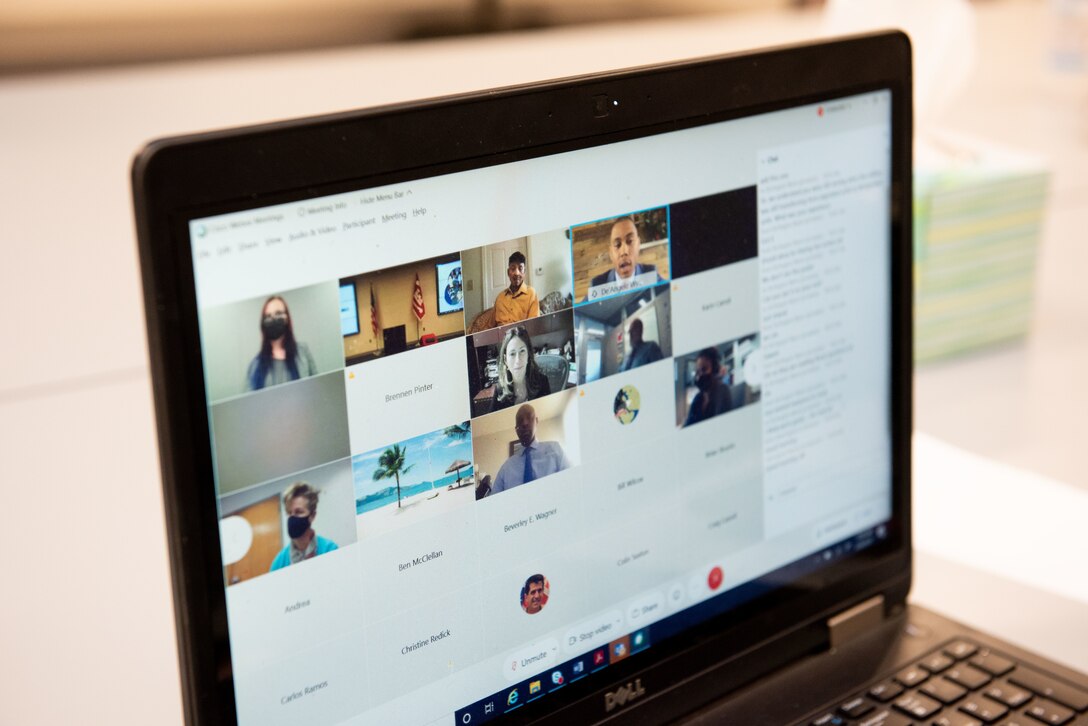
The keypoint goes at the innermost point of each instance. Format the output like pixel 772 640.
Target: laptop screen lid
pixel 473 409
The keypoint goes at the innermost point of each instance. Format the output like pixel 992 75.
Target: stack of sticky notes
pixel 978 215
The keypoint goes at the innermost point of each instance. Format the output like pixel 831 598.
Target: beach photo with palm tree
pixel 424 475
pixel 391 464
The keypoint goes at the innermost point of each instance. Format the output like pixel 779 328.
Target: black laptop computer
pixel 575 402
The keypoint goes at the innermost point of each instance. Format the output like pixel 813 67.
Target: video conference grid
pixel 691 254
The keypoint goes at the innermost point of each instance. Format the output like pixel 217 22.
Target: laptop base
pixel 817 688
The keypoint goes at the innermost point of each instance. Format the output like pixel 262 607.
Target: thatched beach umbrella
pixel 457 466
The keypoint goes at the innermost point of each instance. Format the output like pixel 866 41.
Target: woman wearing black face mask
pixel 281 357
pixel 300 505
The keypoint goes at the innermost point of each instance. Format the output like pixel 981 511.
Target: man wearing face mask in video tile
pixel 714 396
pixel 300 505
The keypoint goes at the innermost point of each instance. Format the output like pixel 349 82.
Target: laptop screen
pixel 480 435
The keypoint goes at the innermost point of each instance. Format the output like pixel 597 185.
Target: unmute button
pixel 531 659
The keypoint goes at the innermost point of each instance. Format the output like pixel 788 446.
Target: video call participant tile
pixel 528 602
pixel 302 605
pixel 286 523
pixel 721 450
pixel 263 342
pixel 724 519
pixel 516 280
pixel 632 482
pixel 619 254
pixel 622 333
pixel 635 556
pixel 718 379
pixel 440 636
pixel 285 429
pixel 323 683
pixel 629 411
pixel 393 399
pixel 516 363
pixel 718 304
pixel 512 529
pixel 401 309
pixel 409 481
pixel 437 555
pixel 522 446
pixel 713 231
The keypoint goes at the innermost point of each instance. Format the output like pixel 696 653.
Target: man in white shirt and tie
pixel 535 460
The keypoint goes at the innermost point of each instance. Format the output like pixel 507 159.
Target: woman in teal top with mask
pixel 300 505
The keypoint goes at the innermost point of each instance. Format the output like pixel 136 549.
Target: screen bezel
pixel 175 180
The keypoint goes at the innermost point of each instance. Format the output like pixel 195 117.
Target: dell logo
pixel 624 694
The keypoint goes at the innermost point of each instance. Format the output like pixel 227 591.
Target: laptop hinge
pixel 854 621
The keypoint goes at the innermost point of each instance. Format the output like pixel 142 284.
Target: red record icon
pixel 714 579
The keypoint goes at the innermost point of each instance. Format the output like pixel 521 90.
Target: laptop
pixel 585 401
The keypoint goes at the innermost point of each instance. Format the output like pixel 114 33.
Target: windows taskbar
pixel 575 669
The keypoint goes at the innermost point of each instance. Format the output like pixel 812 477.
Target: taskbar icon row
pixel 553 679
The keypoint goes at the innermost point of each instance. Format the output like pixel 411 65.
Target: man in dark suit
pixel 623 248
pixel 714 396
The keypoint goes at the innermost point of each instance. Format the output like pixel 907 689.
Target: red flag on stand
pixel 417 300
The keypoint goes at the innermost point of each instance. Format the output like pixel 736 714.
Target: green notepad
pixel 978 215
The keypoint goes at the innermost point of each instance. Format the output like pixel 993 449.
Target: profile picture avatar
pixel 534 594
pixel 626 404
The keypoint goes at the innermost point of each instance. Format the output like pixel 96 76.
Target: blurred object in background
pixel 1069 35
pixel 58 34
pixel 978 206
pixel 942 34
pixel 978 218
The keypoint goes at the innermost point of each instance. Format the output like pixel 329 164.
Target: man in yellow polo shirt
pixel 518 301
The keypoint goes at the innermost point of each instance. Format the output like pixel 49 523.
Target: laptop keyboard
pixel 963 684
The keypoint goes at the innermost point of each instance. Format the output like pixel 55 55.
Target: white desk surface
pixel 86 621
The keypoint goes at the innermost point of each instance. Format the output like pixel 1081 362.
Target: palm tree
pixel 458 431
pixel 391 464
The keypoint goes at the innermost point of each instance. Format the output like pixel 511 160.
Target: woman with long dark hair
pixel 520 378
pixel 281 357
